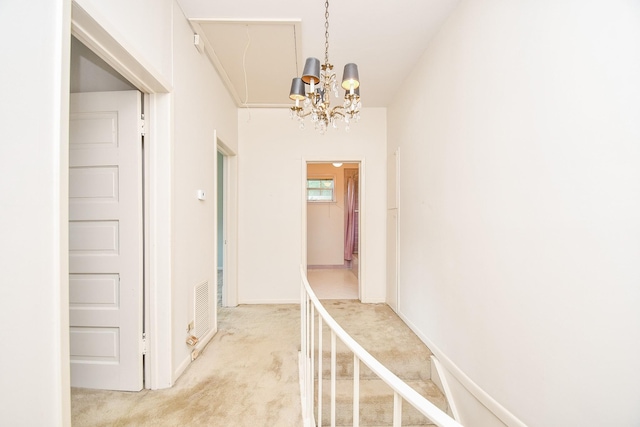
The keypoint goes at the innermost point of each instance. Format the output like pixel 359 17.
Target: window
pixel 320 190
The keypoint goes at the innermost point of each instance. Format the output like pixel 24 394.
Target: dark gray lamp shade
pixel 297 89
pixel 311 71
pixel 350 76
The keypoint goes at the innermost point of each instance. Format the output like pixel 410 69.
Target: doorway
pixel 220 231
pixel 333 231
pixel 226 208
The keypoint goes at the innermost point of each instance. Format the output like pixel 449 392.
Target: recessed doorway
pixel 227 214
pixel 333 218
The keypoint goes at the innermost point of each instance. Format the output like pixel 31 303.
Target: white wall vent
pixel 201 309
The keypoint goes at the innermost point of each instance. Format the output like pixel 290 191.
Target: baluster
pixel 333 378
pixel 397 410
pixel 310 384
pixel 319 370
pixel 308 366
pixel 356 391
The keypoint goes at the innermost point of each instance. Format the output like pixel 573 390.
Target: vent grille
pixel 201 309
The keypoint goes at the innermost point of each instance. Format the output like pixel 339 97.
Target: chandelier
pixel 311 93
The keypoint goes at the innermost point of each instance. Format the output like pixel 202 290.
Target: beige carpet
pixel 246 376
pixel 381 332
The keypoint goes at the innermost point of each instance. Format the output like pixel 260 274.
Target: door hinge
pixel 144 343
pixel 141 125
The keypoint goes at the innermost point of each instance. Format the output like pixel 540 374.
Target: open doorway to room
pixel 226 207
pixel 220 226
pixel 332 193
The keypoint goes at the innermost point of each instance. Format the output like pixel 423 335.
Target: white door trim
pixel 230 214
pixel 97 37
pixel 158 198
pixel 393 202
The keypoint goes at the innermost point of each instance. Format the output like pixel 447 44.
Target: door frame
pixel 362 216
pixel 393 208
pixel 229 223
pixel 157 201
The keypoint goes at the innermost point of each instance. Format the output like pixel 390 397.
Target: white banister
pixel 310 305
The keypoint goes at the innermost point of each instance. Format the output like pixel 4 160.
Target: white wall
pixel 140 26
pixel 34 324
pixel 271 200
pixel 325 220
pixel 202 107
pixel 519 206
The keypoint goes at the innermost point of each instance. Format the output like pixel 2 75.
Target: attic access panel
pixel 255 59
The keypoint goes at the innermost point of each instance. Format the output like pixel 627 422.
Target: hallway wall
pixel 520 205
pixel 34 79
pixel 271 196
pixel 203 109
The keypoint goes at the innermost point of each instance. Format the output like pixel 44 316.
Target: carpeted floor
pixel 246 376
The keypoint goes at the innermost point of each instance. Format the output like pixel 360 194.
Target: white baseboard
pixel 270 301
pixel 205 340
pixel 443 385
pixel 478 393
pixel 187 360
pixel 181 368
pixel 374 301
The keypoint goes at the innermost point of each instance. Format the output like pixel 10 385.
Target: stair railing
pixel 309 306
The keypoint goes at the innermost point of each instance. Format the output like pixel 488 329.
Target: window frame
pixel 321 177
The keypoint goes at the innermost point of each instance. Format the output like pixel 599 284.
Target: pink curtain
pixel 350 229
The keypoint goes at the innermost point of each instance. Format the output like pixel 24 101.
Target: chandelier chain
pixel 326 32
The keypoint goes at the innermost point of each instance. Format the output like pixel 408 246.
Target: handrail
pixel 400 388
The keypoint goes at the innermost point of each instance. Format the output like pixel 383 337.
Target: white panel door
pixel 105 240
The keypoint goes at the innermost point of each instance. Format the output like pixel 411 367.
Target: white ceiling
pixel 261 45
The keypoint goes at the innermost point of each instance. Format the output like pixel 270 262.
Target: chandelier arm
pixel 337 111
pixel 300 113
